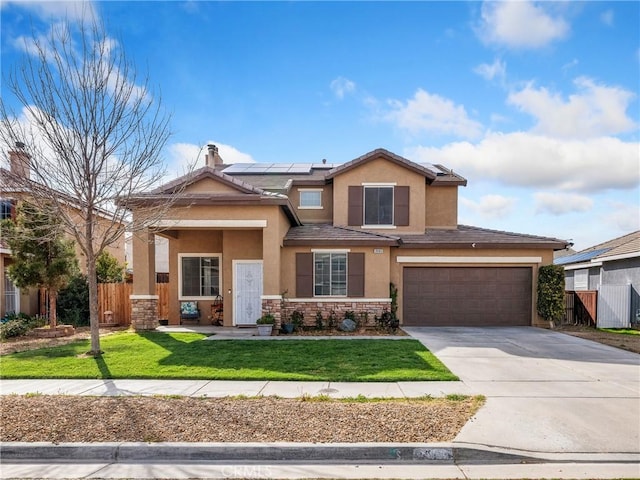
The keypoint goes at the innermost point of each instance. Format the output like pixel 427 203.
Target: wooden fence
pixel 581 307
pixel 114 297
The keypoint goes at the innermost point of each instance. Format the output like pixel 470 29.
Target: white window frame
pixel 364 205
pixel 11 295
pixel 581 279
pixel 310 207
pixel 198 255
pixel 346 272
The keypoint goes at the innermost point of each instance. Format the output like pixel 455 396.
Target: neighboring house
pixel 613 269
pixel 12 299
pixel 162 256
pixel 332 238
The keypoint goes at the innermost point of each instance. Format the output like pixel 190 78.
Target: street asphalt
pixel 557 407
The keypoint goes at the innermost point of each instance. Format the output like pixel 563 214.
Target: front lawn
pixel 621 331
pixel 186 356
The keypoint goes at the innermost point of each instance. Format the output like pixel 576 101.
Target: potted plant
pixel 265 324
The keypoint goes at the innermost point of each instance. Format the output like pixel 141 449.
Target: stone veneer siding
pixel 144 313
pixel 310 307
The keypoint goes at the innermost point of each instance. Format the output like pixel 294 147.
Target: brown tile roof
pixel 465 236
pixel 329 235
pixel 433 173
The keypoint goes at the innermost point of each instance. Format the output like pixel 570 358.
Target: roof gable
pixel 189 182
pixel 386 155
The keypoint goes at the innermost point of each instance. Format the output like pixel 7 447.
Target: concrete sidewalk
pixel 223 388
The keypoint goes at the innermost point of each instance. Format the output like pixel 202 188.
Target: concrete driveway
pixel 546 391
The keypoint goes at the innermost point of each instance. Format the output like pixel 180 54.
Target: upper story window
pixel 6 209
pixel 199 276
pixel 378 205
pixel 311 198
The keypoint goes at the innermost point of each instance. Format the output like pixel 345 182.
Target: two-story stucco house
pixel 333 238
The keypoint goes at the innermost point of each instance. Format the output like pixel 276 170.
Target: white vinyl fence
pixel 614 306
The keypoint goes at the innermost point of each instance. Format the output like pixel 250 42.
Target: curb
pixel 421 453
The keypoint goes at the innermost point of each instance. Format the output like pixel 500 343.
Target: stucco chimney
pixel 213 157
pixel 20 161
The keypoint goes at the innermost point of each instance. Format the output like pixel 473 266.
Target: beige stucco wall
pixel 546 256
pixel 381 171
pixel 209 185
pixel 232 243
pixel 441 208
pixel 312 215
pixel 376 268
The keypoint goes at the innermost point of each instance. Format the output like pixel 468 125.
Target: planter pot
pixel 287 328
pixel 265 330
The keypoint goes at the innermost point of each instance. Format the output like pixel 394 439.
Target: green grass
pixel 185 356
pixel 621 331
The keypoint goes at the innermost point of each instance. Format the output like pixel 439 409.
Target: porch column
pixel 271 268
pixel 144 301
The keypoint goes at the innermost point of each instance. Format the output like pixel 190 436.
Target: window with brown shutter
pixel 304 275
pixel 355 209
pixel 355 283
pixel 401 206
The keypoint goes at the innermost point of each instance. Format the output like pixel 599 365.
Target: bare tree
pixel 94 134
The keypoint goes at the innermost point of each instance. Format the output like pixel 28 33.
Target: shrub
pixel 15 325
pixel 550 302
pixel 297 318
pixel 13 328
pixel 73 302
pixel 319 320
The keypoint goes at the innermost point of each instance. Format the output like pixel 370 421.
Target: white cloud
pixel 48 10
pixel 520 24
pixel 530 160
pixel 430 113
pixel 561 203
pixel 342 86
pixel 594 111
pixel 490 206
pixel 623 216
pixel 497 70
pixel 607 17
pixel 182 156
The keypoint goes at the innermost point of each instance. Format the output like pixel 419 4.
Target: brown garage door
pixel 466 296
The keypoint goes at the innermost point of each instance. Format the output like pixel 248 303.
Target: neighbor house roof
pixel 626 246
pixel 465 236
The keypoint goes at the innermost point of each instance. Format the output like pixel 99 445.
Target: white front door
pixel 247 291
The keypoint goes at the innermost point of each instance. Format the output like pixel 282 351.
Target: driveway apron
pixel 546 391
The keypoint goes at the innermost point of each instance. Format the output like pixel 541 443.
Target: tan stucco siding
pixel 441 209
pixel 475 260
pixel 381 171
pixel 314 215
pixel 232 244
pixel 209 185
pixel 376 269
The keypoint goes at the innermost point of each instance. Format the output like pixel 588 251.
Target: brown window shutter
pixel 355 205
pixel 13 210
pixel 304 275
pixel 355 281
pixel 401 206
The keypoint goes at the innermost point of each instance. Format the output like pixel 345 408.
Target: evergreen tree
pixel 42 258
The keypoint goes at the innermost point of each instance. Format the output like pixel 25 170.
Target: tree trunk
pixel 53 309
pixel 94 320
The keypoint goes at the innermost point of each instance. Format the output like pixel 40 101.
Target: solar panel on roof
pixel 580 256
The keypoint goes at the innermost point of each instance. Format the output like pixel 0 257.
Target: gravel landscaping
pixel 39 418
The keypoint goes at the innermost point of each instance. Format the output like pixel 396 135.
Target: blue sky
pixel 536 104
